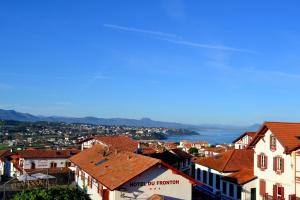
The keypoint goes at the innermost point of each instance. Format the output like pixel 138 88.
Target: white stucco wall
pixel 43 162
pixel 158 180
pixel 286 179
pixel 246 188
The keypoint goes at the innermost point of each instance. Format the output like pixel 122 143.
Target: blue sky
pixel 230 62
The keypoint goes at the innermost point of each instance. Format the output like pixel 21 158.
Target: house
pixel 3 154
pixel 30 160
pixel 228 175
pixel 200 144
pixel 277 160
pixel 212 151
pixel 243 140
pixel 177 159
pixel 118 143
pixel 125 175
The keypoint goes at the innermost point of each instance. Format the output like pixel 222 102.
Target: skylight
pixel 100 162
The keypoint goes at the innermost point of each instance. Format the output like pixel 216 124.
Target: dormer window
pixel 272 143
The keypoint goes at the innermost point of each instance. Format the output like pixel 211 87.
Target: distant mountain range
pixel 144 122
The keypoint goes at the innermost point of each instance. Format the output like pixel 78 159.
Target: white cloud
pixel 176 39
pixel 130 29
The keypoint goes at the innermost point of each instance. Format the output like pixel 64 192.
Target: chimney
pixel 139 148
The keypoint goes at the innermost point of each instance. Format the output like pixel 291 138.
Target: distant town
pixel 104 162
pixel 18 135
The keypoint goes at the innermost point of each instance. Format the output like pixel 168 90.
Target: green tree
pixel 193 151
pixel 55 193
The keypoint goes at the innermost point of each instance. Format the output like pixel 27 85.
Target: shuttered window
pixel 262 187
pixel 278 164
pixel 262 161
pixel 272 143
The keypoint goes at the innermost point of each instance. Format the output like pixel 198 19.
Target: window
pixel 53 165
pixel 198 174
pixel 204 176
pixel 77 171
pixel 218 179
pixel 262 161
pixel 211 179
pixel 82 176
pixel 272 143
pixel 231 190
pixel 278 191
pixel 90 181
pixel 278 164
pixel 100 189
pixel 68 164
pixel 224 188
pixel 239 192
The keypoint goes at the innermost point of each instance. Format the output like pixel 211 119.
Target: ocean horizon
pixel 211 136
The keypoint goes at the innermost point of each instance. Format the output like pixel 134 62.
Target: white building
pixel 277 160
pixel 30 160
pixel 125 175
pixel 243 140
pixel 228 175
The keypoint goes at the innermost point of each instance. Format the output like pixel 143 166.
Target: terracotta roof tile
pixel 230 161
pixel 110 171
pixel 115 169
pixel 286 133
pixel 241 177
pixel 121 143
pixel 156 197
pixel 36 153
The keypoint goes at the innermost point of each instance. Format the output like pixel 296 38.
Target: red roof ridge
pixel 232 152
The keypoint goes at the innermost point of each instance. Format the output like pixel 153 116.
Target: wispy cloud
pixel 130 29
pixel 209 46
pixel 176 39
pixel 272 73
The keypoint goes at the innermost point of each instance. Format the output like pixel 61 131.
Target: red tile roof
pixel 120 143
pixel 156 197
pixel 215 149
pixel 114 169
pixel 36 153
pixel 181 154
pixel 4 153
pixel 251 134
pixel 230 161
pixel 241 177
pixel 286 133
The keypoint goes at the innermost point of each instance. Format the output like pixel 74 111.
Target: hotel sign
pixel 153 183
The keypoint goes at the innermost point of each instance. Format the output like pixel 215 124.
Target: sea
pixel 212 136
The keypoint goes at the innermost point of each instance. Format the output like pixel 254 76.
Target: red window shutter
pixel 100 189
pixel 259 161
pixel 282 164
pixel 275 163
pixel 262 187
pixel 274 192
pixel 266 162
pixel 271 147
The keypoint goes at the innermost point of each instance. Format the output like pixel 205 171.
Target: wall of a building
pixel 158 180
pixel 286 179
pixel 44 162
